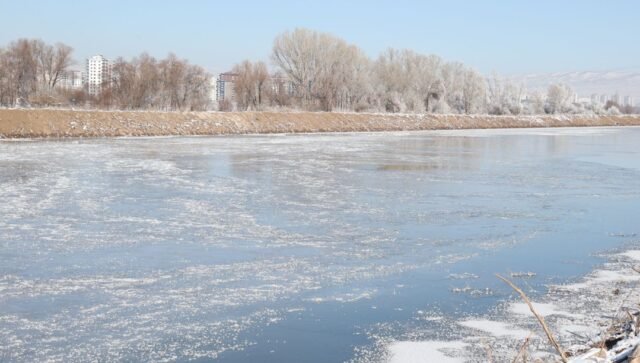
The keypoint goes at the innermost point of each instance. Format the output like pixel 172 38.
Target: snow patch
pixel 425 352
pixel 495 328
pixel 603 277
pixel 633 254
pixel 542 309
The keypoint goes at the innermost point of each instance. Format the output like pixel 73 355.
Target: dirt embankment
pixel 20 123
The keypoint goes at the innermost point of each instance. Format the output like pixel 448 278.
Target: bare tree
pixel 53 61
pixel 171 84
pixel 172 73
pixel 30 69
pixel 23 64
pixel 279 90
pixel 320 66
pixel 315 71
pixel 136 83
pixel 123 82
pixel 250 84
pixel 197 89
pixel 298 54
pixel 6 93
pixel 344 78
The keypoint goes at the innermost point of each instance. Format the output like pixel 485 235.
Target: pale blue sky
pixel 509 37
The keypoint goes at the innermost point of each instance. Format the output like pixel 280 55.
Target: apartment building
pixel 224 87
pixel 97 74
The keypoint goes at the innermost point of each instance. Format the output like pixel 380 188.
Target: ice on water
pixel 180 248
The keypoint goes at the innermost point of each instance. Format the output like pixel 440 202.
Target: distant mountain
pixel 586 83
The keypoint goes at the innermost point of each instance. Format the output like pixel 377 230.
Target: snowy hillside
pixel 586 83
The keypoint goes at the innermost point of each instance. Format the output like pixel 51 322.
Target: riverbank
pixel 45 123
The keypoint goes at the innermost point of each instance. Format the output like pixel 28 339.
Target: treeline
pixel 313 71
pixel 150 84
pixel 32 74
pixel 30 70
pixel 326 73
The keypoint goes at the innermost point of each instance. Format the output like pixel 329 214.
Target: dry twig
pixel 489 351
pixel 635 356
pixel 546 329
pixel 522 348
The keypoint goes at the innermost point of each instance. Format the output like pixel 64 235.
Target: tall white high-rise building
pixel 97 74
pixel 213 96
pixel 628 101
pixel 617 99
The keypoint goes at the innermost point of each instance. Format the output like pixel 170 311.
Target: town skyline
pixel 221 80
pixel 315 71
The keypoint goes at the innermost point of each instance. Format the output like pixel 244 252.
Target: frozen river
pixel 293 248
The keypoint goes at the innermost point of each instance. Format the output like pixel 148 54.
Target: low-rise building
pixel 70 81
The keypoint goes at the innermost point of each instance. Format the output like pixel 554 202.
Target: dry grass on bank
pixel 30 123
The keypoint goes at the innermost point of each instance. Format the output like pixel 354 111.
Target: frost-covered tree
pixel 392 78
pixel 473 92
pixel 429 84
pixel 452 75
pixel 495 95
pixel 409 82
pixel 535 103
pixel 504 97
pixel 558 98
pixel 613 111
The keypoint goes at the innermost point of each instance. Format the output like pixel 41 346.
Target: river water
pixel 293 248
